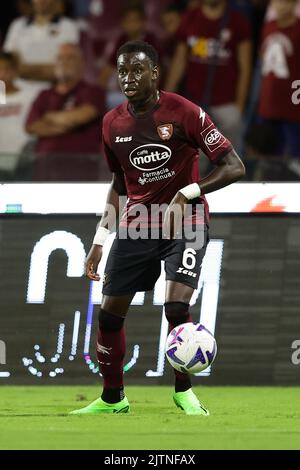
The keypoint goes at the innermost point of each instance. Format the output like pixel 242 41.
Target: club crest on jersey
pixel 165 131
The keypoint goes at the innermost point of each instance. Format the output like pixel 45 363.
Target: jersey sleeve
pixel 203 133
pixel 109 155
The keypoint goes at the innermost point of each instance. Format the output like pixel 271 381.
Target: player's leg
pixel 111 345
pixel 177 302
pixel 183 267
pixel 131 267
pixel 110 350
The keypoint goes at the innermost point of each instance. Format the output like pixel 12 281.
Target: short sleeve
pixel 38 108
pixel 109 155
pixel 203 133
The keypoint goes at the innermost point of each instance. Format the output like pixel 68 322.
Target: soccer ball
pixel 190 348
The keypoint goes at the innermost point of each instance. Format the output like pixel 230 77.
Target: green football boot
pixel 189 403
pixel 99 406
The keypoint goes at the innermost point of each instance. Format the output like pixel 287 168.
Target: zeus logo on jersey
pixel 150 156
pixel 123 139
pixel 213 139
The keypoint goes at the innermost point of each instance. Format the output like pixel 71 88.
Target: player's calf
pixel 176 314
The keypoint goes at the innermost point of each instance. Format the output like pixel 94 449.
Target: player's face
pixel 137 76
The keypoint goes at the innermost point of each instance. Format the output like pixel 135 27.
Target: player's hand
pixel 92 261
pixel 172 224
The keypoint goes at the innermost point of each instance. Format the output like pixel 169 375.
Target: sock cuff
pixel 110 322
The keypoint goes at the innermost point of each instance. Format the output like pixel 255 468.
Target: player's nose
pixel 129 79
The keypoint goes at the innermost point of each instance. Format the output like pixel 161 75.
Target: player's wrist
pixel 191 191
pixel 100 236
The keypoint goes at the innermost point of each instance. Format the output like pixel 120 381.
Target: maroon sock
pixel 111 347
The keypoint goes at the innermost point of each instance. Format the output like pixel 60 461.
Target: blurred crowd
pixel 238 59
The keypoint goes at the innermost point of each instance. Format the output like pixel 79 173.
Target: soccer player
pixel 152 143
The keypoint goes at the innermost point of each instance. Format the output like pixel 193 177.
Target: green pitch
pixel 241 418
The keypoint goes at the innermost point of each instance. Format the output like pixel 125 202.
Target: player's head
pixel 137 65
pixel 284 8
pixel 8 67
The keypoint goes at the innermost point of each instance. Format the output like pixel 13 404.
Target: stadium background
pixel 248 293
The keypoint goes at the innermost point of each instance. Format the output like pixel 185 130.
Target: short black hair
pixel 10 58
pixel 139 46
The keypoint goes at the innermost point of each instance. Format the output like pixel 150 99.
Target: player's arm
pixel 202 133
pixel 108 220
pixel 177 67
pixel 228 170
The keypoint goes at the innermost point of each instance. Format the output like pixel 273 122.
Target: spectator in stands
pixel 170 21
pixel 66 121
pixel 104 22
pixel 133 28
pixel 81 8
pixel 10 12
pixel 12 114
pixel 214 50
pixel 280 68
pixel 271 14
pixel 36 40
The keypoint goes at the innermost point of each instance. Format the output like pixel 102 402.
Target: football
pixel 191 348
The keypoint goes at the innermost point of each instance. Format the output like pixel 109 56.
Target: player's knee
pixel 109 322
pixel 177 312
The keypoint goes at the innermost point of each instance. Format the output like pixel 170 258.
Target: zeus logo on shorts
pixel 186 271
pixel 150 156
pixel 213 139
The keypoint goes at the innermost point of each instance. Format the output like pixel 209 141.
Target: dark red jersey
pixel 158 151
pixel 280 68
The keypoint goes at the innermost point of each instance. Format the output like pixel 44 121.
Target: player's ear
pixel 155 72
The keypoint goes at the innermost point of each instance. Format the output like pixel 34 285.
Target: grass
pixel 241 418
